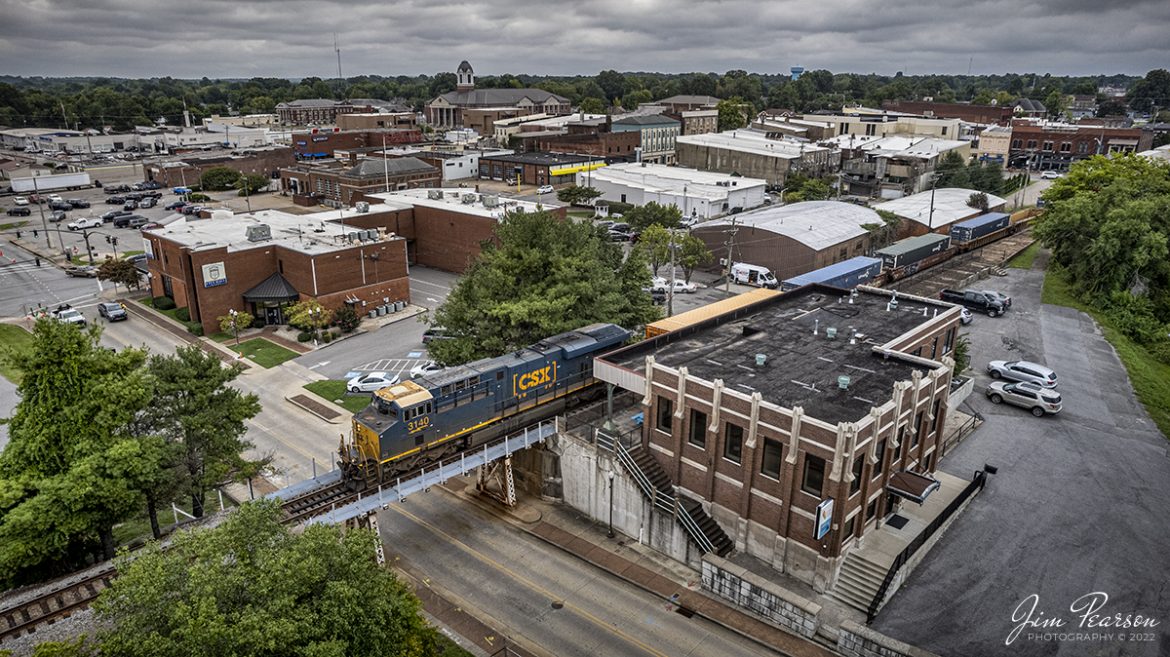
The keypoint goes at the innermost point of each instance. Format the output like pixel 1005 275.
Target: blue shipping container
pixel 984 224
pixel 846 274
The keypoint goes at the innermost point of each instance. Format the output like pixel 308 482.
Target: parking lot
pixel 1078 505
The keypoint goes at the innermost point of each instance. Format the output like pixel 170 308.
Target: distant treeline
pixel 123 103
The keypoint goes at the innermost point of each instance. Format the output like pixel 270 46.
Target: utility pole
pixel 730 248
pixel 670 285
pixel 41 208
pixel 385 162
pixel 933 185
pixel 64 119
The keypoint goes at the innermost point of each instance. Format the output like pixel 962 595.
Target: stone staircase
pixel 858 581
pixel 718 539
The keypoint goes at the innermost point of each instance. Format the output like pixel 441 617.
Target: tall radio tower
pixel 340 80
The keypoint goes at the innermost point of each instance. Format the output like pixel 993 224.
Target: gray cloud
pixel 294 38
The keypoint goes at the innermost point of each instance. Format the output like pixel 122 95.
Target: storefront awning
pixel 274 288
pixel 912 486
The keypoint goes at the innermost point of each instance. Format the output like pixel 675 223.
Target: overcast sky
pixel 294 38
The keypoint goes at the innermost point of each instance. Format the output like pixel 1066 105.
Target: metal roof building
pixel 936 211
pixel 792 239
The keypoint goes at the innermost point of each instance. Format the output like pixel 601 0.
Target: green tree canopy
pixel 577 195
pixel 732 113
pixel 254 587
pixel 120 272
pixel 540 276
pixel 218 179
pixel 652 214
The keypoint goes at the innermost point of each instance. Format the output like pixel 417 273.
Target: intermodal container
pixel 912 250
pixel 984 224
pixel 846 274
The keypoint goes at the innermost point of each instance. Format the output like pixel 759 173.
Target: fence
pixel 955 437
pixel 975 486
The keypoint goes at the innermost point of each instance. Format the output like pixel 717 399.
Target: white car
pixel 55 198
pixel 70 316
pixel 544 189
pixel 680 286
pixel 965 316
pixel 370 382
pixel 20 200
pixel 424 368
pixel 84 222
pixel 1051 175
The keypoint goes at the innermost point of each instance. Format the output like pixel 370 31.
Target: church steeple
pixel 465 77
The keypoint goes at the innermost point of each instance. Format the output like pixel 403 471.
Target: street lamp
pixel 609 474
pixel 235 327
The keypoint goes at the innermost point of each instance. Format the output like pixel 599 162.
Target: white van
pixel 744 274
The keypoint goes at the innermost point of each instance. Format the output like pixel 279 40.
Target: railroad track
pixel 52 606
pixel 316 502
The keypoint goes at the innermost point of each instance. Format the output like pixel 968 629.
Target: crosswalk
pixel 391 365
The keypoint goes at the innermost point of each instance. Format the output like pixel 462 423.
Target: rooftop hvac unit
pixel 469 199
pixel 258 233
pixel 435 194
pixel 490 201
pixel 352 237
pixel 372 235
pixel 362 206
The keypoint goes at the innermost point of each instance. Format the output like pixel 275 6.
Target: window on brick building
pixel 733 443
pixel 664 419
pixel 949 343
pixel 1031 143
pixel 858 465
pixel 880 453
pixel 1047 145
pixel 850 527
pixel 698 432
pixel 773 451
pixel 917 429
pixel 898 448
pixel 1066 147
pixel 871 509
pixel 1083 147
pixel 934 415
pixel 813 478
pixel 1017 143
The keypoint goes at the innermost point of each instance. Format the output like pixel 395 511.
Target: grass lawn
pixel 13 225
pixel 334 391
pixel 18 339
pixel 1149 377
pixel 128 254
pixel 139 525
pixel 220 336
pixel 1025 258
pixel 264 353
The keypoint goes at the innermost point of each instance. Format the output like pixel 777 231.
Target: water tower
pixel 796 71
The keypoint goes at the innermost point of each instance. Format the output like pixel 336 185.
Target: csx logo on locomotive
pixel 540 377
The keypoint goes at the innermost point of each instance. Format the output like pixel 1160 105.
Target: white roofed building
pixel 700 194
pixel 751 153
pixel 935 211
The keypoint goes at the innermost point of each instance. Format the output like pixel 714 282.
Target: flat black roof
pixel 541 159
pixel 801 367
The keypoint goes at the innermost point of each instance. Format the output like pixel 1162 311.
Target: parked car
pixel 139 262
pixel 115 312
pixel 55 198
pixel 1051 175
pixel 79 203
pixel 620 236
pixel 69 315
pixel 64 206
pixel 424 368
pixel 115 200
pixel 966 316
pixel 1039 400
pixel 152 184
pixel 370 382
pixel 436 333
pixel 975 300
pixel 657 295
pixel 130 221
pixel 1022 370
pixel 114 214
pixel 176 205
pixel 544 189
pixel 680 286
pixel 86 271
pixel 130 205
pixel 605 225
pixel 1003 298
pixel 19 211
pixel 147 202
pixel 20 200
pixel 57 216
pixel 83 223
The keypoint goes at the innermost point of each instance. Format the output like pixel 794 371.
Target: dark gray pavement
pixel 1079 504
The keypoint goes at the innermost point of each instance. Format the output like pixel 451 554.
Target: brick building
pixel 186 170
pixel 321 143
pixel 981 114
pixel 320 111
pixel 592 137
pixel 537 168
pixel 1040 145
pixel 265 261
pixel 337 183
pixel 795 407
pixel 447 110
pixel 377 120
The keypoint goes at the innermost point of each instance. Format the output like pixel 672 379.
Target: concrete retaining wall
pixel 857 640
pixel 748 591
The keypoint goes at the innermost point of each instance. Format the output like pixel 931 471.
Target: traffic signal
pixel 107 239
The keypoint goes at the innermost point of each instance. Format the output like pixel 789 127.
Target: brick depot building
pixel 265 261
pixel 537 168
pixel 343 184
pixel 186 170
pixel 319 143
pixel 769 412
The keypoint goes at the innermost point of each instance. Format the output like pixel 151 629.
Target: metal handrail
pixel 919 540
pixel 694 530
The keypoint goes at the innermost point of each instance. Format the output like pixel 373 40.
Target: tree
pixel 731 113
pixel 612 83
pixel 951 171
pixel 195 406
pixel 236 321
pixel 539 276
pixel 1151 91
pixel 218 179
pixel 309 315
pixel 1056 103
pixel 253 586
pixel 120 272
pixel 802 188
pixel 252 183
pixel 962 355
pixel 347 319
pixel 883 234
pixel 593 105
pixel 654 245
pixel 692 253
pixel 978 200
pixel 70 471
pixel 642 217
pixel 577 195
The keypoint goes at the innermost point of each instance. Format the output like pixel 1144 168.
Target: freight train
pixel 412 423
pixel 913 254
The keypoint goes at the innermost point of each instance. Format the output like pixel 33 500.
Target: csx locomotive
pixel 414 422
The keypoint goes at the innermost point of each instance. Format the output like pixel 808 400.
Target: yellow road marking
pixel 479 556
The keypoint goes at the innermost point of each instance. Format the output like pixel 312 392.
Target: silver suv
pixel 1041 401
pixel 1022 370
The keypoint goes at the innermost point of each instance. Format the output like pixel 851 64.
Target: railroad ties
pixel 47 608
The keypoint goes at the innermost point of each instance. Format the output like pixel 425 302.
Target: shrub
pixel 347 319
pixel 163 303
pixel 327 336
pixel 1134 316
pixel 258 323
pixel 183 315
pixel 195 328
pixel 304 336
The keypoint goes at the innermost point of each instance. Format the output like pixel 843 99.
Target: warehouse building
pixel 798 422
pixel 751 153
pixel 339 184
pixel 537 168
pixel 699 194
pixel 791 239
pixel 934 211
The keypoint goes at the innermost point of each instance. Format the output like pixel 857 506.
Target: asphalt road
pixel 23 284
pixel 1078 505
pixel 536 593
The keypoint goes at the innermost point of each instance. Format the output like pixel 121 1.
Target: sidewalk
pixel 623 557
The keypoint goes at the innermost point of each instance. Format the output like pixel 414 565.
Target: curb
pixel 344 414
